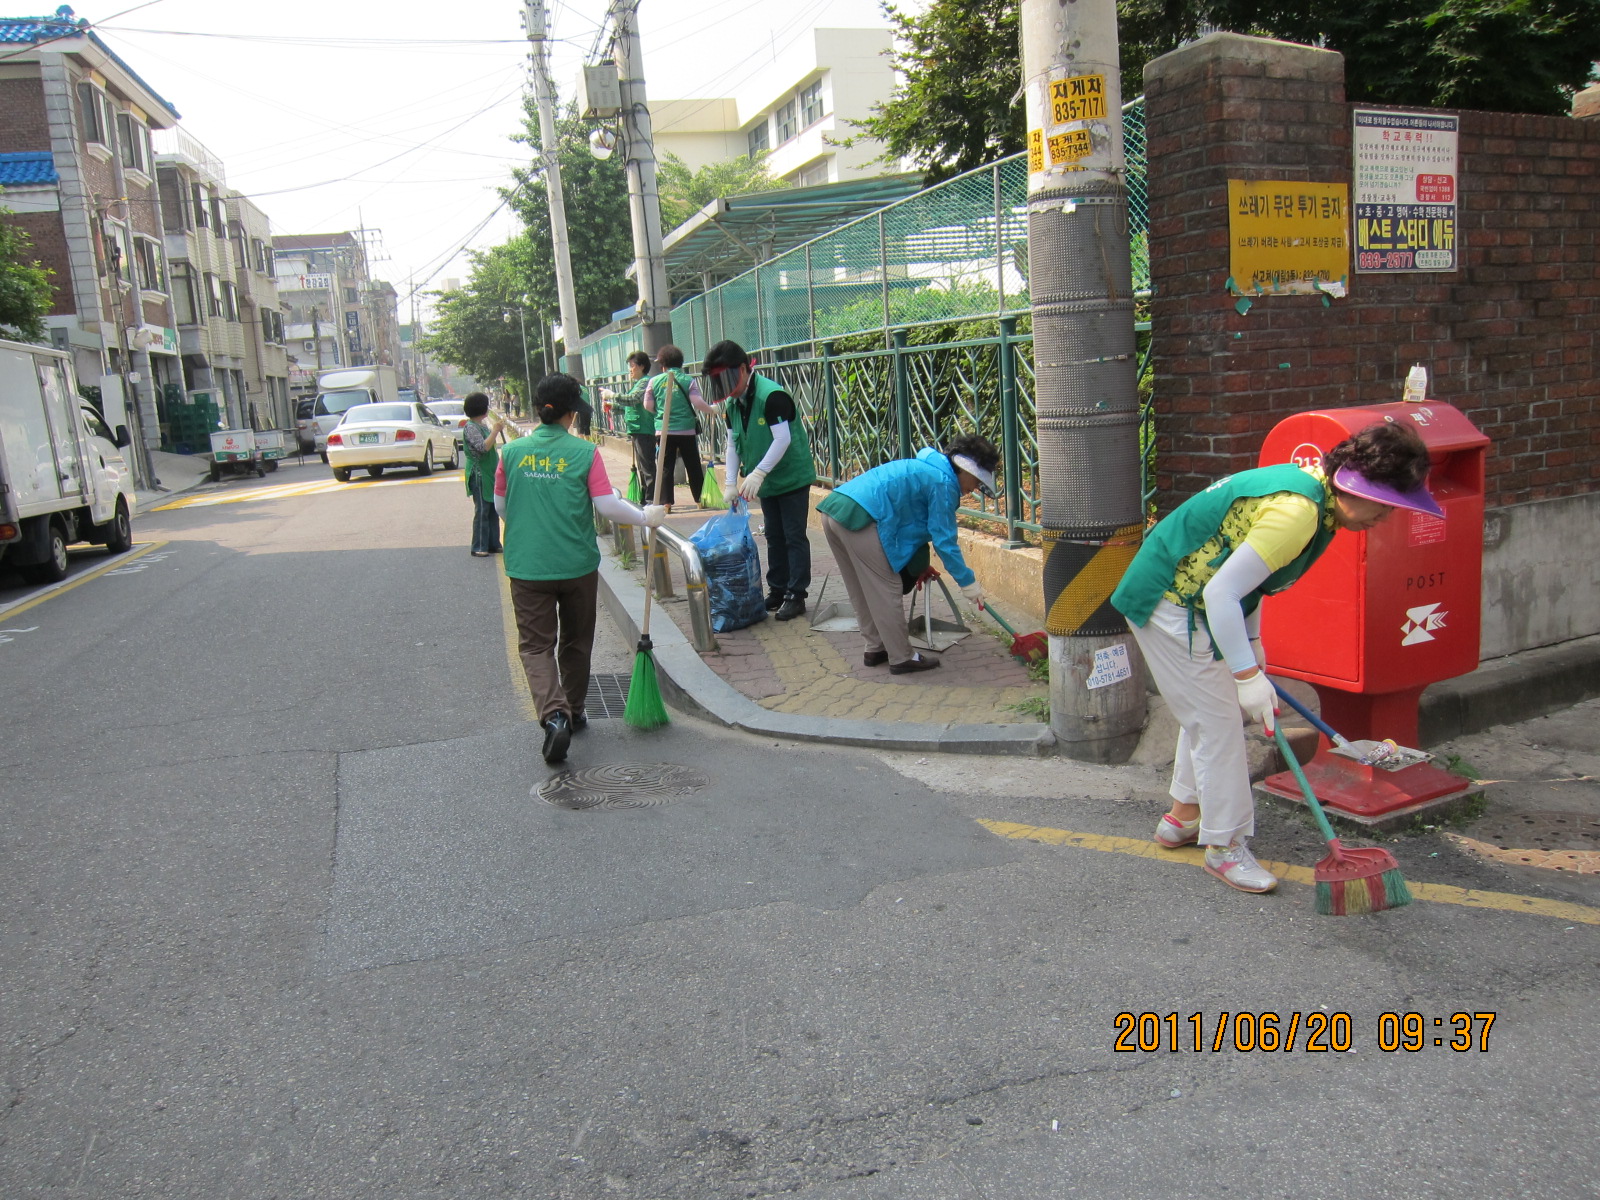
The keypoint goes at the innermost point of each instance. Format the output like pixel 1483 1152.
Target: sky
pixel 397 116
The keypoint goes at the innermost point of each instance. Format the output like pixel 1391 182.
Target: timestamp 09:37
pixel 1309 1032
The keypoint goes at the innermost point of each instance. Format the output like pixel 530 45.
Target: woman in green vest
pixel 548 488
pixel 639 423
pixel 480 437
pixel 683 433
pixel 1192 597
pixel 767 444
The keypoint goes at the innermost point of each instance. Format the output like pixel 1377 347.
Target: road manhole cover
pixel 620 785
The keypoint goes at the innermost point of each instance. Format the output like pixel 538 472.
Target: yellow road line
pixel 1434 893
pixel 519 677
pixel 121 560
pixel 289 490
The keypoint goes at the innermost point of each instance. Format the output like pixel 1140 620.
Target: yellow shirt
pixel 1277 527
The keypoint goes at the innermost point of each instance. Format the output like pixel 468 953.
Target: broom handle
pixel 989 608
pixel 1322 726
pixel 1312 803
pixel 661 492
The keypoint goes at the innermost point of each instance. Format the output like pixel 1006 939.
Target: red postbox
pixel 1383 614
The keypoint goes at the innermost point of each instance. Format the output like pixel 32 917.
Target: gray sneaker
pixel 1238 868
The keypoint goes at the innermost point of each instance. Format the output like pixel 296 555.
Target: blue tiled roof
pixel 27 169
pixel 64 25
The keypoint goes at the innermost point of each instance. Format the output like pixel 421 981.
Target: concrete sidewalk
pixel 789 680
pixel 174 473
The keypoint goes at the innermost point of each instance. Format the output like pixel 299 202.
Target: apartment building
pixel 76 158
pixel 790 109
pixel 266 357
pixel 335 314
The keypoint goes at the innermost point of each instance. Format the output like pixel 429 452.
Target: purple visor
pixel 1348 479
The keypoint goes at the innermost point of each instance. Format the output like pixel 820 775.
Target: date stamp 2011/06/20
pixel 1310 1032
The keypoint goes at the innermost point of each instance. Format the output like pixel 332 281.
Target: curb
pixel 1518 687
pixel 689 684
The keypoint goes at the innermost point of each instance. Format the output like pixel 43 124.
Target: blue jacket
pixel 914 502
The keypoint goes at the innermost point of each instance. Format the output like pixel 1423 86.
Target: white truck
pixel 338 391
pixel 63 475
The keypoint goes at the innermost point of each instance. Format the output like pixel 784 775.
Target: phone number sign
pixel 1406 191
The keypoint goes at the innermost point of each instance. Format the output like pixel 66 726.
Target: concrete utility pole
pixel 1087 393
pixel 544 100
pixel 644 198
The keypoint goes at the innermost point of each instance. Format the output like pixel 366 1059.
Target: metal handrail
pixel 656 572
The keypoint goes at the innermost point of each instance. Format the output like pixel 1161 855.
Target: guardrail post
pixel 902 394
pixel 1011 430
pixel 830 408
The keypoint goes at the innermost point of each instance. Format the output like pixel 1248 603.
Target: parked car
pixel 376 436
pixel 452 414
pixel 305 424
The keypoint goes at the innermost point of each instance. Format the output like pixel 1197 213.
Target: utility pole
pixel 544 100
pixel 644 198
pixel 316 336
pixel 1086 389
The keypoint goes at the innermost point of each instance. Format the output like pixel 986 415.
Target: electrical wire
pixel 77 32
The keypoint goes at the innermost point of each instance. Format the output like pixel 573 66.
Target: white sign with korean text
pixel 1406 194
pixel 1111 665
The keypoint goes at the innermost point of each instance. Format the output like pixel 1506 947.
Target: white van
pixel 63 475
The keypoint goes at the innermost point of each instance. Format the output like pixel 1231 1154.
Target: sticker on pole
pixel 1077 98
pixel 1111 665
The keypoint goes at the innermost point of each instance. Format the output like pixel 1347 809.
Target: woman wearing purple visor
pixel 1192 597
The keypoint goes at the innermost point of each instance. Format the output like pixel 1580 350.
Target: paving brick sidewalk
pixel 788 667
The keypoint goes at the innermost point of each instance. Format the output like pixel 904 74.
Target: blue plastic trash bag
pixel 733 570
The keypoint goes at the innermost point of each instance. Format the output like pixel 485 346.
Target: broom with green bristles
pixel 1348 881
pixel 645 709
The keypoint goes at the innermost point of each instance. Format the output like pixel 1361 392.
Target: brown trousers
pixel 874 587
pixel 555 638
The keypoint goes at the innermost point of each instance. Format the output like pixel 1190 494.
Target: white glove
pixel 1258 699
pixel 973 592
pixel 1260 652
pixel 750 489
pixel 655 515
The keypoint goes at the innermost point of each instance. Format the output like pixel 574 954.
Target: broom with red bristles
pixel 1348 881
pixel 1029 647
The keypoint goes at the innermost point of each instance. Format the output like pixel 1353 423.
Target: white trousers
pixel 1210 768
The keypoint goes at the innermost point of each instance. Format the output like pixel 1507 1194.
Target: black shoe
pixel 791 608
pixel 557 735
pixel 874 658
pixel 580 721
pixel 775 600
pixel 915 663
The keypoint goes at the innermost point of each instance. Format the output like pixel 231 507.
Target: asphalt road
pixel 282 915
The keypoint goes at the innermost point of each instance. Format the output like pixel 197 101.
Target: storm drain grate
pixel 608 696
pixel 620 785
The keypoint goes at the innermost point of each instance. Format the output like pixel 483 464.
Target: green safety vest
pixel 752 438
pixel 682 409
pixel 480 465
pixel 549 516
pixel 634 417
pixel 1199 519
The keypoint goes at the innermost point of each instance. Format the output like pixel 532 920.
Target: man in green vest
pixel 767 444
pixel 480 439
pixel 548 487
pixel 1192 596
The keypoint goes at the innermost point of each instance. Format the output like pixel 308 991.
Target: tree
pixel 960 104
pixel 685 192
pixel 476 328
pixel 25 291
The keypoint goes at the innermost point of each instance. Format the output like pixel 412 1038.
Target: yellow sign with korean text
pixel 1288 236
pixel 1077 98
pixel 1035 151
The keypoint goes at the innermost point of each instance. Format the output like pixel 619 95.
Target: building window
pixel 786 123
pixel 135 139
pixel 261 260
pixel 201 220
pixel 758 141
pixel 351 296
pixel 812 175
pixel 271 326
pixel 151 276
pixel 183 296
pixel 213 295
pixel 230 301
pixel 811 104
pixel 219 221
pixel 92 113
pixel 174 201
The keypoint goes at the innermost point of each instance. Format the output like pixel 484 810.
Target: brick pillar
pixel 1233 107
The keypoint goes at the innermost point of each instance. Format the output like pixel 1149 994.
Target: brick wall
pixel 50 251
pixel 23 123
pixel 1513 338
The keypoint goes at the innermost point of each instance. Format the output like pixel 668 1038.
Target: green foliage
pixel 961 105
pixel 685 192
pixel 470 326
pixel 25 291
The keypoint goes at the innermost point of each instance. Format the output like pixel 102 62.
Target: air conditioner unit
pixel 599 90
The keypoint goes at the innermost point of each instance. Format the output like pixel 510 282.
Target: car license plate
pixel 368 439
